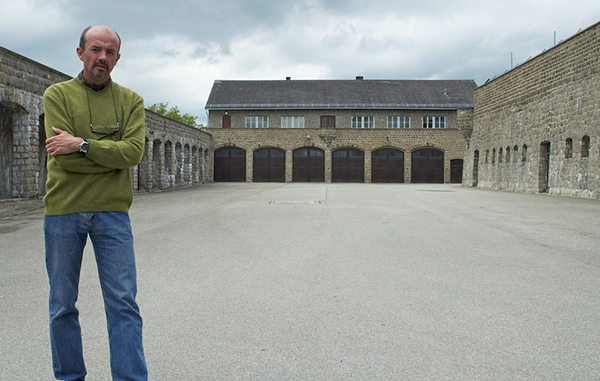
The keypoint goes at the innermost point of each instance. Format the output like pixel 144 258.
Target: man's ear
pixel 80 53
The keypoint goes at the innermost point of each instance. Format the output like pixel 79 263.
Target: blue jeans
pixel 110 233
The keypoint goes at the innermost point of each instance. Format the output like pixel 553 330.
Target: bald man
pixel 95 132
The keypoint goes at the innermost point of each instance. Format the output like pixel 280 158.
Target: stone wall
pixel 537 127
pixel 176 154
pixel 22 158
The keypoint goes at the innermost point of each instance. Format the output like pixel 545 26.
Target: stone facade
pixel 22 157
pixel 364 130
pixel 537 127
pixel 176 154
pixel 451 140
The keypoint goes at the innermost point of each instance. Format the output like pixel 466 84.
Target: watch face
pixel 84 146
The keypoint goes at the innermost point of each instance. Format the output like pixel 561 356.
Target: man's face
pixel 100 55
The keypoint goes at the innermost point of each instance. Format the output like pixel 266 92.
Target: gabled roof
pixel 341 94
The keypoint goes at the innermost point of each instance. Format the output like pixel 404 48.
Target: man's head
pixel 99 50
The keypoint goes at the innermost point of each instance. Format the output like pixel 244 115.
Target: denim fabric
pixel 110 233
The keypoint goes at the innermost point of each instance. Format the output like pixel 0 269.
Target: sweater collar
pixel 92 86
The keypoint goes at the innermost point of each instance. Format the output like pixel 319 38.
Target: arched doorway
pixel 427 166
pixel 7 117
pixel 387 166
pixel 230 165
pixel 348 165
pixel 309 165
pixel 475 168
pixel 544 173
pixel 269 165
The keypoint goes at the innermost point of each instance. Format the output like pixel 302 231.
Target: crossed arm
pixel 62 143
pixel 104 155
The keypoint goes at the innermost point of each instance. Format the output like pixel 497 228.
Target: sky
pixel 173 51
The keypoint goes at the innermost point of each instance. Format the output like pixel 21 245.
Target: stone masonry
pixel 176 154
pixel 449 140
pixel 537 127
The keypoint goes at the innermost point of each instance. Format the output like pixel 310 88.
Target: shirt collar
pixel 92 86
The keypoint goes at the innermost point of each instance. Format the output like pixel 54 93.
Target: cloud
pixel 173 51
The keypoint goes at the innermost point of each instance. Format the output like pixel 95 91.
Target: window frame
pixel 329 121
pixel 293 121
pixel 253 121
pixel 398 121
pixel 362 122
pixel 433 122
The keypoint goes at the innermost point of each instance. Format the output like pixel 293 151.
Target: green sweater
pixel 101 180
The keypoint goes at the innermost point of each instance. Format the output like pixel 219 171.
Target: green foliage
pixel 174 113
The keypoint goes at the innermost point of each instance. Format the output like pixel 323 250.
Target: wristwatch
pixel 84 147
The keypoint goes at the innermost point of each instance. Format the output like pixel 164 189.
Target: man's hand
pixel 63 143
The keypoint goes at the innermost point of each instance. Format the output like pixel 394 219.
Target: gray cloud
pixel 172 52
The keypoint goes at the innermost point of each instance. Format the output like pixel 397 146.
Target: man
pixel 95 132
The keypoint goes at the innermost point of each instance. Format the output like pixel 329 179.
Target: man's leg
pixel 65 238
pixel 113 245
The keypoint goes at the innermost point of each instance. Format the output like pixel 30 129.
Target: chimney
pixel 359 77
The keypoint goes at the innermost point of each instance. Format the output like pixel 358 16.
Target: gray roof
pixel 341 94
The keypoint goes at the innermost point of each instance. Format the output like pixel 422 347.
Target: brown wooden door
pixel 427 166
pixel 387 166
pixel 230 165
pixel 226 121
pixel 309 165
pixel 348 165
pixel 269 165
pixel 456 171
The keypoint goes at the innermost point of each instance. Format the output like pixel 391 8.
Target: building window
pixel 585 146
pixel 568 148
pixel 257 122
pixel 398 122
pixel 363 122
pixel 328 121
pixel 292 122
pixel 524 153
pixel 434 122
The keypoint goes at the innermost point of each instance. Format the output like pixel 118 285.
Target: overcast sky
pixel 174 50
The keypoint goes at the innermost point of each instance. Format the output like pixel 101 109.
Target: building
pixel 404 131
pixel 536 128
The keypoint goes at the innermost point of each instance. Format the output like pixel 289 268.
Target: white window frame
pixel 363 122
pixel 434 122
pixel 292 122
pixel 257 122
pixel 398 122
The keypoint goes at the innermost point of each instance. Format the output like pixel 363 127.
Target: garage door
pixel 309 165
pixel 269 165
pixel 230 165
pixel 387 166
pixel 348 165
pixel 427 166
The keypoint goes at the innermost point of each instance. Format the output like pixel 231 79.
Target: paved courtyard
pixel 333 282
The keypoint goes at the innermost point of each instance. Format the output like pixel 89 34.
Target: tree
pixel 174 113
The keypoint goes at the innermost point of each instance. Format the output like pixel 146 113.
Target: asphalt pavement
pixel 333 282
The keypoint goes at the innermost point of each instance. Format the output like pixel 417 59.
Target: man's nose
pixel 102 55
